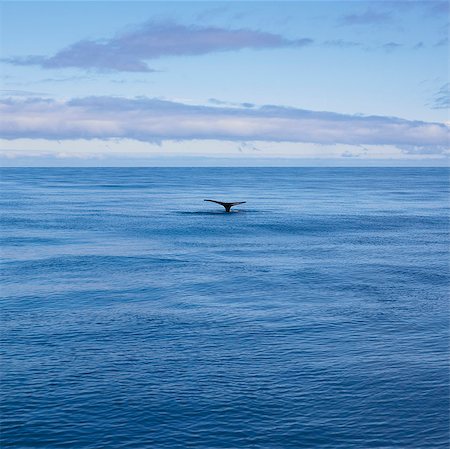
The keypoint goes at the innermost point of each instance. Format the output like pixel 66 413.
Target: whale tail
pixel 227 206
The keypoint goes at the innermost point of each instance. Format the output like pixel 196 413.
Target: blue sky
pixel 237 83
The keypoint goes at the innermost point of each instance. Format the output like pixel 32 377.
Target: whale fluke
pixel 227 206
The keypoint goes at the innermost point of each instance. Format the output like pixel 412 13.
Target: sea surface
pixel 136 315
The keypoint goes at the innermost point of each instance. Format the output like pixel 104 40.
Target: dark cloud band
pixel 129 51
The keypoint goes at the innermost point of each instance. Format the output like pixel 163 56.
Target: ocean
pixel 136 315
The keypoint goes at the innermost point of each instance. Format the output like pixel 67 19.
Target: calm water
pixel 135 315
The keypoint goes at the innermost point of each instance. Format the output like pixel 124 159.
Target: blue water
pixel 135 315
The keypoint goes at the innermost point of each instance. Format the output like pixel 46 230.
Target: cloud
pixel 349 154
pixel 217 102
pixel 68 79
pixel 386 11
pixel 442 42
pixel 391 46
pixel 340 43
pixel 368 17
pixel 423 149
pixel 438 8
pixel 430 7
pixel 245 147
pixel 387 46
pixel 129 51
pixel 441 100
pixel 212 13
pixel 20 93
pixel 155 120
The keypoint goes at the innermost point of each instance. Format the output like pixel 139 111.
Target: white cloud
pixel 155 120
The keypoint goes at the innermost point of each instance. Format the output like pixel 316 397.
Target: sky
pixel 314 83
